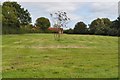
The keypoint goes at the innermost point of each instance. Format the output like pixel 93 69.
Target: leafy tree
pixel 69 31
pixel 115 27
pixel 93 25
pixel 13 17
pixel 113 32
pixel 9 17
pixel 80 28
pixel 0 14
pixel 102 30
pixel 43 23
pixel 100 26
pixel 22 14
pixel 0 19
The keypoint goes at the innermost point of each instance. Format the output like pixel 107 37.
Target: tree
pixel 43 23
pixel 115 27
pixel 0 14
pixel 100 26
pixel 68 31
pixel 60 20
pixel 9 17
pixel 0 19
pixel 93 25
pixel 22 14
pixel 14 16
pixel 80 28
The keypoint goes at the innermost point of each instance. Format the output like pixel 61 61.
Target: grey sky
pixel 78 10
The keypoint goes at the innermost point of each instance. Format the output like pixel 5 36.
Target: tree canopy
pixel 100 26
pixel 43 23
pixel 80 28
pixel 14 16
pixel 14 19
pixel 115 27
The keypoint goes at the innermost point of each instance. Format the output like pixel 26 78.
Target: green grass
pixel 74 56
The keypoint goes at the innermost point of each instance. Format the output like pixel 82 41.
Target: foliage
pixel 115 27
pixel 0 19
pixel 100 26
pixel 69 31
pixel 13 16
pixel 15 19
pixel 0 13
pixel 80 28
pixel 43 23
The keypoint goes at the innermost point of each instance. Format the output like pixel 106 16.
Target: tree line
pixel 99 26
pixel 17 20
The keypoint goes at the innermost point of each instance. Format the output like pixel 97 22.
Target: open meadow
pixel 74 56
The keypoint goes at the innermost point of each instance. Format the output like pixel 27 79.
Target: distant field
pixel 74 56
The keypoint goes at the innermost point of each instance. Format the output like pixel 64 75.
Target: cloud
pixel 56 6
pixel 104 7
pixel 77 11
pixel 64 0
pixel 70 8
pixel 44 8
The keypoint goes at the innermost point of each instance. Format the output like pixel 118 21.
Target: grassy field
pixel 74 56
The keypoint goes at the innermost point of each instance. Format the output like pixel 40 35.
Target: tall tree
pixel 93 25
pixel 0 19
pixel 100 26
pixel 14 16
pixel 9 18
pixel 115 27
pixel 43 23
pixel 80 28
pixel 0 13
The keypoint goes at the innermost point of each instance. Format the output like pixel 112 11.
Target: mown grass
pixel 74 56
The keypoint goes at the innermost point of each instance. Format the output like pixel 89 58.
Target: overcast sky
pixel 77 11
